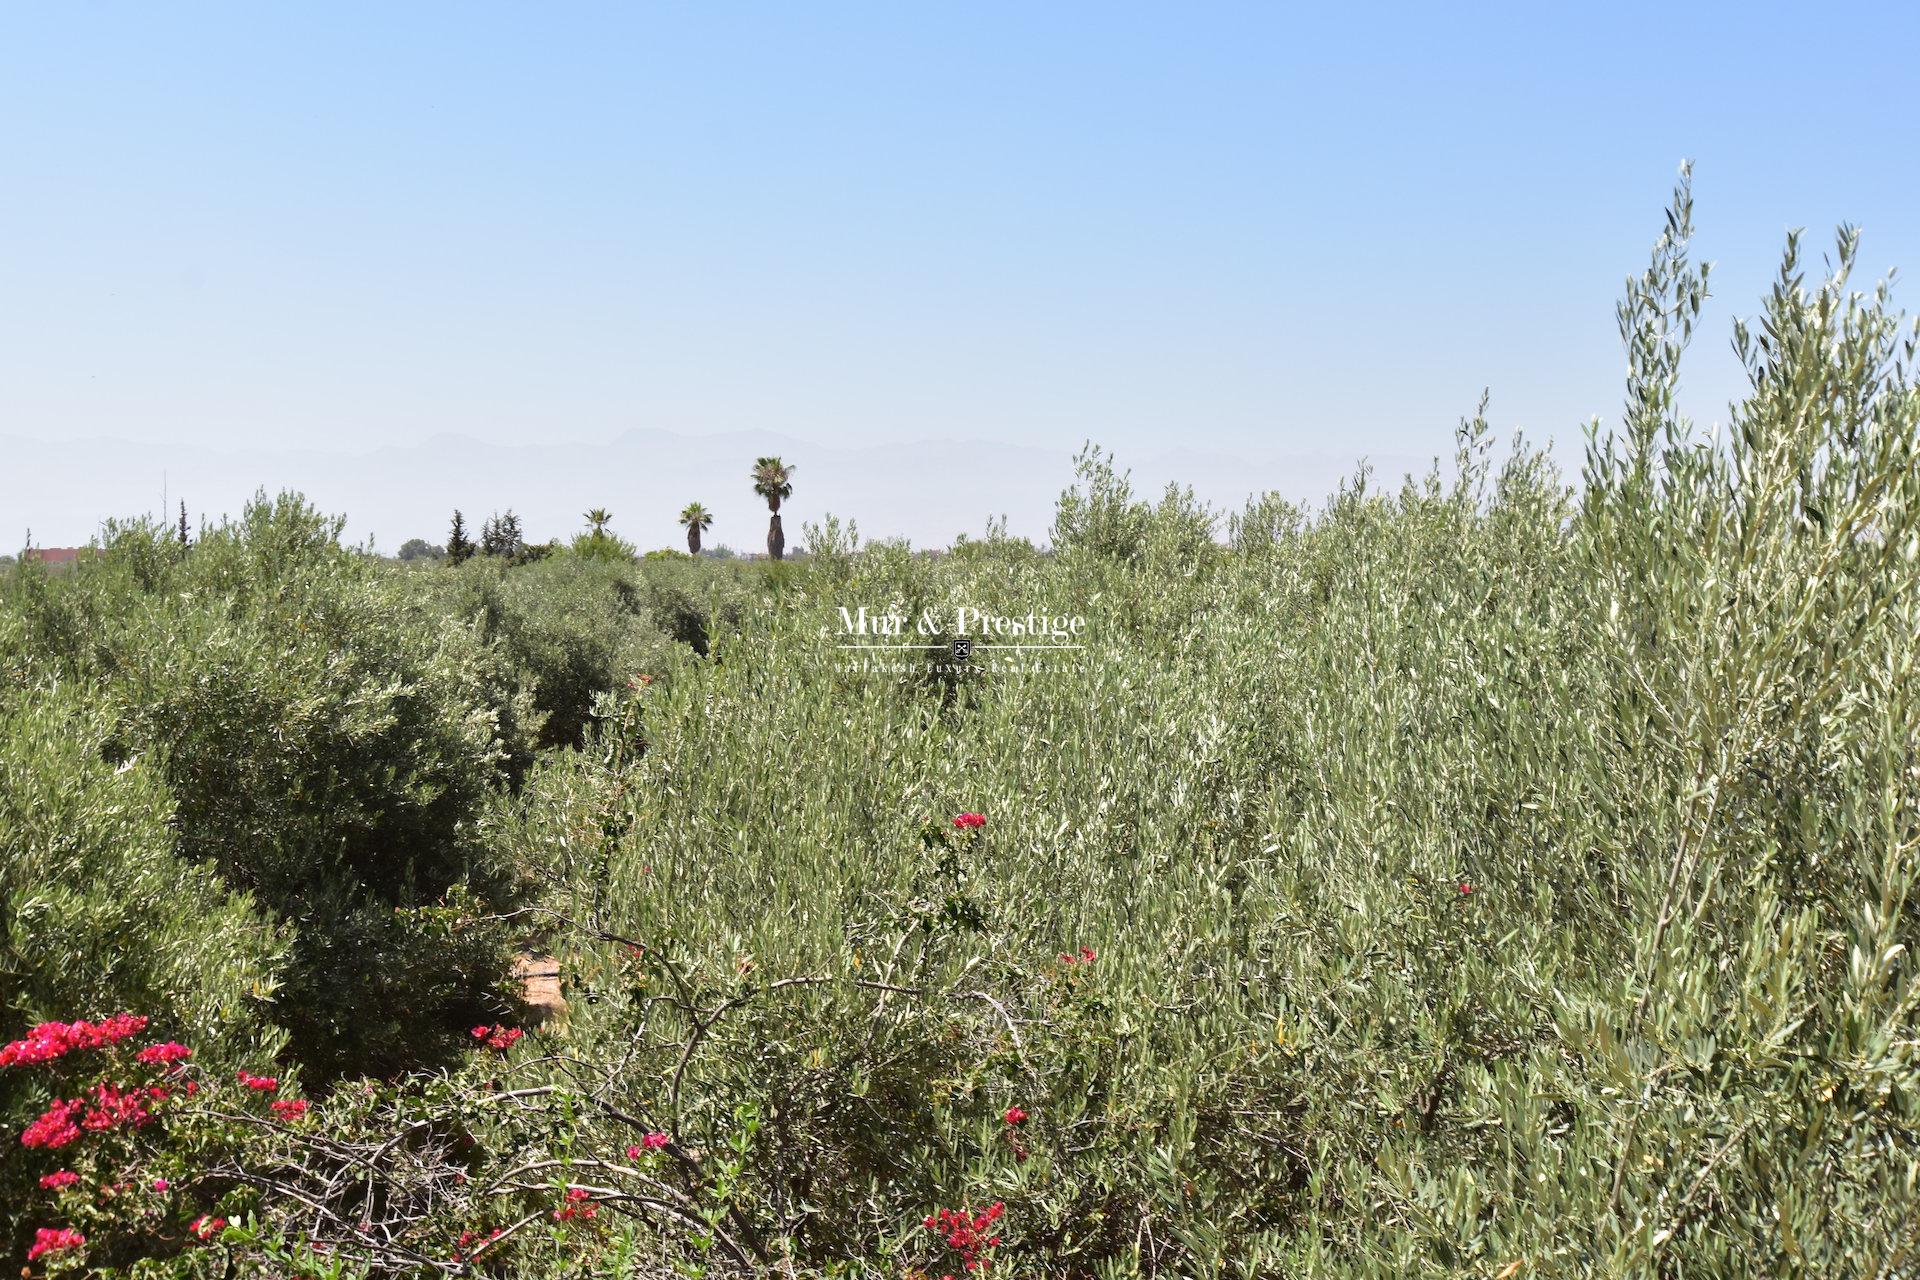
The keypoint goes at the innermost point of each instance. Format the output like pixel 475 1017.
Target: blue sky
pixel 1227 227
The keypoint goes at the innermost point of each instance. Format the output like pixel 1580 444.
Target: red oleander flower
pixel 260 1084
pixel 1466 886
pixel 970 821
pixel 161 1184
pixel 55 1181
pixel 163 1054
pixel 655 1140
pixel 1015 1116
pixel 206 1228
pixel 633 1153
pixel 53 1239
pixel 290 1108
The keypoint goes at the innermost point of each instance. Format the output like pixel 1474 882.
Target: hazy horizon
pixel 397 492
pixel 1247 232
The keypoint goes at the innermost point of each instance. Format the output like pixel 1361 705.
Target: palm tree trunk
pixel 776 539
pixel 693 539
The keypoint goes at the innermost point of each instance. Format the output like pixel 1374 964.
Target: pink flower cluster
pixel 497 1037
pixel 651 1142
pixel 290 1108
pixel 206 1227
pixel 53 1239
pixel 55 1127
pixel 161 1055
pixel 263 1084
pixel 55 1181
pixel 970 821
pixel 51 1040
pixel 466 1247
pixel 966 1234
pixel 1015 1117
pixel 576 1207
pixel 114 1106
pixel 1085 957
pixel 110 1107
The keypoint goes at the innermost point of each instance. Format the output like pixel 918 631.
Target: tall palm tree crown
pixel 697 519
pixel 599 518
pixel 773 480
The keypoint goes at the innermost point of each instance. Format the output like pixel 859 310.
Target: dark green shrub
pixel 571 627
pixel 693 598
pixel 328 749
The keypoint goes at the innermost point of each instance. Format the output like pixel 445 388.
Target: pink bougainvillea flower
pixel 55 1127
pixel 970 821
pixel 163 1054
pixel 633 1153
pixel 655 1140
pixel 55 1181
pixel 161 1184
pixel 51 1040
pixel 113 1106
pixel 52 1240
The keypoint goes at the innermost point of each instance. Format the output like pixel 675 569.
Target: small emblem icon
pixel 962 649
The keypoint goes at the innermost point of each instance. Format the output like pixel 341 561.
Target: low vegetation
pixel 1487 875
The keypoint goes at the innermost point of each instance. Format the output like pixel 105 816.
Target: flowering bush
pixel 147 1144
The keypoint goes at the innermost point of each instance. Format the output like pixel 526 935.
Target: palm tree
pixel 599 518
pixel 773 480
pixel 697 519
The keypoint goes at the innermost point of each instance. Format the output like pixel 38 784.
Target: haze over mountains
pixel 926 491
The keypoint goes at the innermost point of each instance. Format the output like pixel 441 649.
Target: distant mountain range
pixel 926 491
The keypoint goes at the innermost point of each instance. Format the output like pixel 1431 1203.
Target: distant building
pixel 53 555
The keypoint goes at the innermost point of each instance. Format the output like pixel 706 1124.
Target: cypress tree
pixel 459 547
